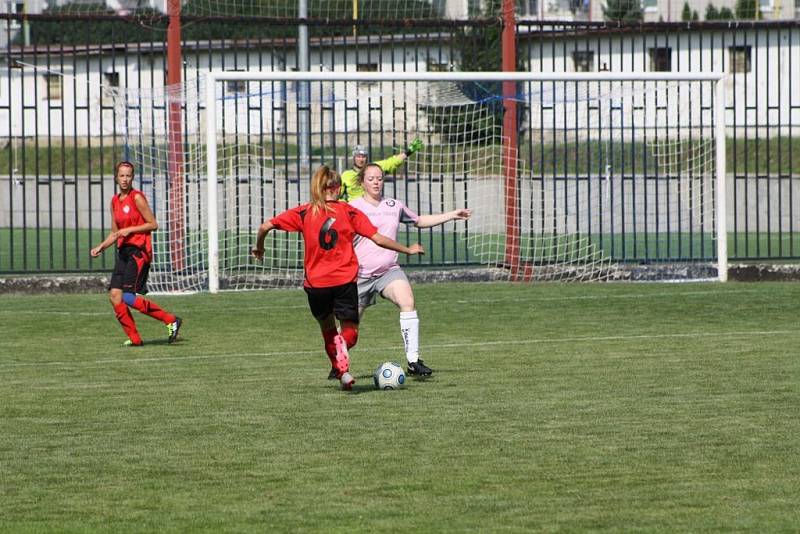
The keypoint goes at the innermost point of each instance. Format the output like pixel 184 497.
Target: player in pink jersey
pixel 132 222
pixel 329 228
pixel 379 273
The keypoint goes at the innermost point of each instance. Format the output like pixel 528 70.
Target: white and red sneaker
pixel 347 381
pixel 342 364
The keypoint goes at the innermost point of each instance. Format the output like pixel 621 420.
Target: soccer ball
pixel 389 375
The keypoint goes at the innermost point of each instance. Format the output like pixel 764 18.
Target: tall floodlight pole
pixel 175 134
pixel 509 50
pixel 303 100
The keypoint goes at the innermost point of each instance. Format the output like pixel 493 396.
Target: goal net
pixel 616 178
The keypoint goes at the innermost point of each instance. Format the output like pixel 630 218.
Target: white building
pixel 50 95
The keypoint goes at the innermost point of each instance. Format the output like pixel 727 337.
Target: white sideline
pixel 395 348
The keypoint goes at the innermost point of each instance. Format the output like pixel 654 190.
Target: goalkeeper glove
pixel 414 146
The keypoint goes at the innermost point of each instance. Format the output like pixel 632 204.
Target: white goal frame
pixel 215 76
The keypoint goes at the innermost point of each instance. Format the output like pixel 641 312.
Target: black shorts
pixel 342 301
pixel 130 270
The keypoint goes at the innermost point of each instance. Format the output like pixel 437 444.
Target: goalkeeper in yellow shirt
pixel 351 187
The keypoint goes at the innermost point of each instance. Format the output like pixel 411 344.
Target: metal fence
pixel 60 135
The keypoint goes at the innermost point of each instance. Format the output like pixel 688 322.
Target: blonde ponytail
pixel 323 179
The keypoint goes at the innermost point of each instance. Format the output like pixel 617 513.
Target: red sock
pixel 330 345
pixel 350 336
pixel 128 324
pixel 148 307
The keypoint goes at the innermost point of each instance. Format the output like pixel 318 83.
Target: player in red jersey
pixel 331 267
pixel 132 221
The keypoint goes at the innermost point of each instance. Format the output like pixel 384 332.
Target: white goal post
pixel 569 176
pixel 685 154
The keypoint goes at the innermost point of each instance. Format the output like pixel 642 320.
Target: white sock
pixel 409 329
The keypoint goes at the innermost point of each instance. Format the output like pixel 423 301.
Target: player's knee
pixel 407 305
pixel 129 298
pixel 115 297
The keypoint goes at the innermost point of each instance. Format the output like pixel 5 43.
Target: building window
pixel 367 67
pixel 579 6
pixel 474 8
pixel 583 60
pixel 661 59
pixel 111 82
pixel 435 65
pixel 528 8
pixel 15 8
pixel 739 58
pixel 236 87
pixel 765 6
pixel 110 86
pixel 54 84
pixel 651 6
pixel 111 79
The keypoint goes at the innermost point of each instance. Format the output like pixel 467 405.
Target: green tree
pixel 746 9
pixel 686 12
pixel 72 29
pixel 712 13
pixel 695 16
pixel 725 13
pixel 148 25
pixel 623 11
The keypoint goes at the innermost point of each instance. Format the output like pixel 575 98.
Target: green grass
pixel 638 407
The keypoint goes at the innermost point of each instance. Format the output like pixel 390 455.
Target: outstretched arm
pixel 388 243
pixel 263 230
pixel 391 164
pixel 426 221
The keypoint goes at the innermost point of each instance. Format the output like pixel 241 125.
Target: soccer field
pixel 552 407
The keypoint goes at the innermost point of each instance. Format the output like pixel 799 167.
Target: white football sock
pixel 409 329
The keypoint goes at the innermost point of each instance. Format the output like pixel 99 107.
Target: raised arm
pixel 388 243
pixel 263 230
pixel 426 221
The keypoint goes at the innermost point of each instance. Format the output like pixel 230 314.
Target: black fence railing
pixel 60 134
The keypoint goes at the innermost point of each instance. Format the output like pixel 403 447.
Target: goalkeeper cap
pixel 360 150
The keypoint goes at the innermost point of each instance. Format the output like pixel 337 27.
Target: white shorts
pixel 370 288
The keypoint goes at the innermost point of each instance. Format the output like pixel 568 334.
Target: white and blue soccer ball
pixel 389 375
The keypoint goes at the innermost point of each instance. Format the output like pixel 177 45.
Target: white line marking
pixel 222 356
pixel 611 297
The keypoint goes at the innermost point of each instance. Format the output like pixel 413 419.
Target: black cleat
pixel 419 368
pixel 173 329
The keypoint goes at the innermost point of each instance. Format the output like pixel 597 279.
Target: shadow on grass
pixel 163 342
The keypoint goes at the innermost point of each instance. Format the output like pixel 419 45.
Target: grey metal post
pixel 303 100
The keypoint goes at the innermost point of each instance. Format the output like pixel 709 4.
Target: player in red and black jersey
pixel 331 267
pixel 132 222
